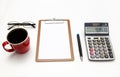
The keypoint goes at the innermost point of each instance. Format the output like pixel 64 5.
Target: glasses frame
pixel 27 23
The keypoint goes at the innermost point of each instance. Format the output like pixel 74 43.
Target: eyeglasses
pixel 15 24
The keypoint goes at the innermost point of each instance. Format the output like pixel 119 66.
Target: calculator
pixel 98 43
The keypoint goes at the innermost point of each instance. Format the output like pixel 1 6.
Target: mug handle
pixel 8 50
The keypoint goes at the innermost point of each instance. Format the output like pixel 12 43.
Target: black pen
pixel 79 46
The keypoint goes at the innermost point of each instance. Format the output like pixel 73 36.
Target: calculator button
pixel 101 52
pixel 95 49
pixel 92 56
pixel 100 46
pixel 104 49
pixel 100 49
pixel 98 40
pixel 103 43
pixel 91 53
pixel 94 40
pixel 97 56
pixel 89 43
pixel 106 38
pixel 95 46
pixel 91 49
pixel 106 56
pixel 102 55
pixel 94 43
pixel 108 43
pixel 109 46
pixel 90 46
pixel 101 38
pixel 89 40
pixel 109 49
pixel 96 52
pixel 99 43
pixel 105 52
pixel 104 46
pixel 111 54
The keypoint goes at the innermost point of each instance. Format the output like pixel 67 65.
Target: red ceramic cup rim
pixel 20 42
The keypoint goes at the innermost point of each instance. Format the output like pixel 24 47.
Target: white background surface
pixel 79 12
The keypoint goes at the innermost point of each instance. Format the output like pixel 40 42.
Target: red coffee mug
pixel 19 41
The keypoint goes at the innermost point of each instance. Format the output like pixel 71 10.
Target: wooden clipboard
pixel 54 41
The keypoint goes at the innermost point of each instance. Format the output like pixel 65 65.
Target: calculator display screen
pixel 96 29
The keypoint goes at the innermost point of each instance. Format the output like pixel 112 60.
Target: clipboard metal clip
pixel 54 21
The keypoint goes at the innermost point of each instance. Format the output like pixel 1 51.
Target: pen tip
pixel 81 58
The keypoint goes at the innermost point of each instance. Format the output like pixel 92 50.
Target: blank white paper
pixel 54 40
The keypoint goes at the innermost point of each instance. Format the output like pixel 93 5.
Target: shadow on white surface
pixel 19 58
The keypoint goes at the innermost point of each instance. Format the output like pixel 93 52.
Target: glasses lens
pixel 10 26
pixel 29 26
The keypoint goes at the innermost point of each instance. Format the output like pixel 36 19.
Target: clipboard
pixel 54 41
